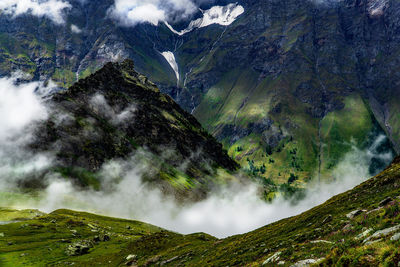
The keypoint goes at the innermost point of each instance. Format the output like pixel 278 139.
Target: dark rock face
pixel 116 111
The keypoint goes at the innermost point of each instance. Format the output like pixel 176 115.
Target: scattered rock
pixel 281 263
pixel 169 260
pixel 395 237
pixel 131 260
pixel 327 219
pixel 79 248
pixel 273 258
pixel 131 257
pixel 364 234
pixel 385 201
pixel 383 233
pixel 128 227
pixel 353 214
pixel 348 227
pixel 307 262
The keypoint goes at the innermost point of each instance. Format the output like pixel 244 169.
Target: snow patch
pixel 222 15
pixel 170 57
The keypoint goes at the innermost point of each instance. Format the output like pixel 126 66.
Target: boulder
pixel 79 248
pixel 307 262
pixel 131 257
pixel 353 214
pixel 364 234
pixel 385 201
pixel 383 233
pixel 273 258
pixel 395 237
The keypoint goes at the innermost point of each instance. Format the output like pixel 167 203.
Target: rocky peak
pixel 115 112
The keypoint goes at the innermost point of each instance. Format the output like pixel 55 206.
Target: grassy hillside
pixel 360 227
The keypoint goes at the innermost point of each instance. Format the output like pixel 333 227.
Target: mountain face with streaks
pixel 289 87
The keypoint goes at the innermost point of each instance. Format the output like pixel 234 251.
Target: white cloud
pixel 75 29
pixel 53 9
pixel 132 12
pixel 21 105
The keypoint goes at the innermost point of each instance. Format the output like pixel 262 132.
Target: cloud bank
pixel 52 9
pixel 133 12
pixel 233 210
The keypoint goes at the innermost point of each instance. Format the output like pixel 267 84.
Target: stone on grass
pixel 353 214
pixel 385 201
pixel 273 258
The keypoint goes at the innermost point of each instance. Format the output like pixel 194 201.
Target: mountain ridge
pixel 116 111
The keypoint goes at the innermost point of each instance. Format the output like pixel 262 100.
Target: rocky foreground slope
pixel 360 227
pixel 118 114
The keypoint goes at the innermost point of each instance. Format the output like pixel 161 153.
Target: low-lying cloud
pixel 231 210
pixel 52 9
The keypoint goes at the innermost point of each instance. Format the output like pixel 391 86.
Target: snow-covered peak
pixel 222 15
